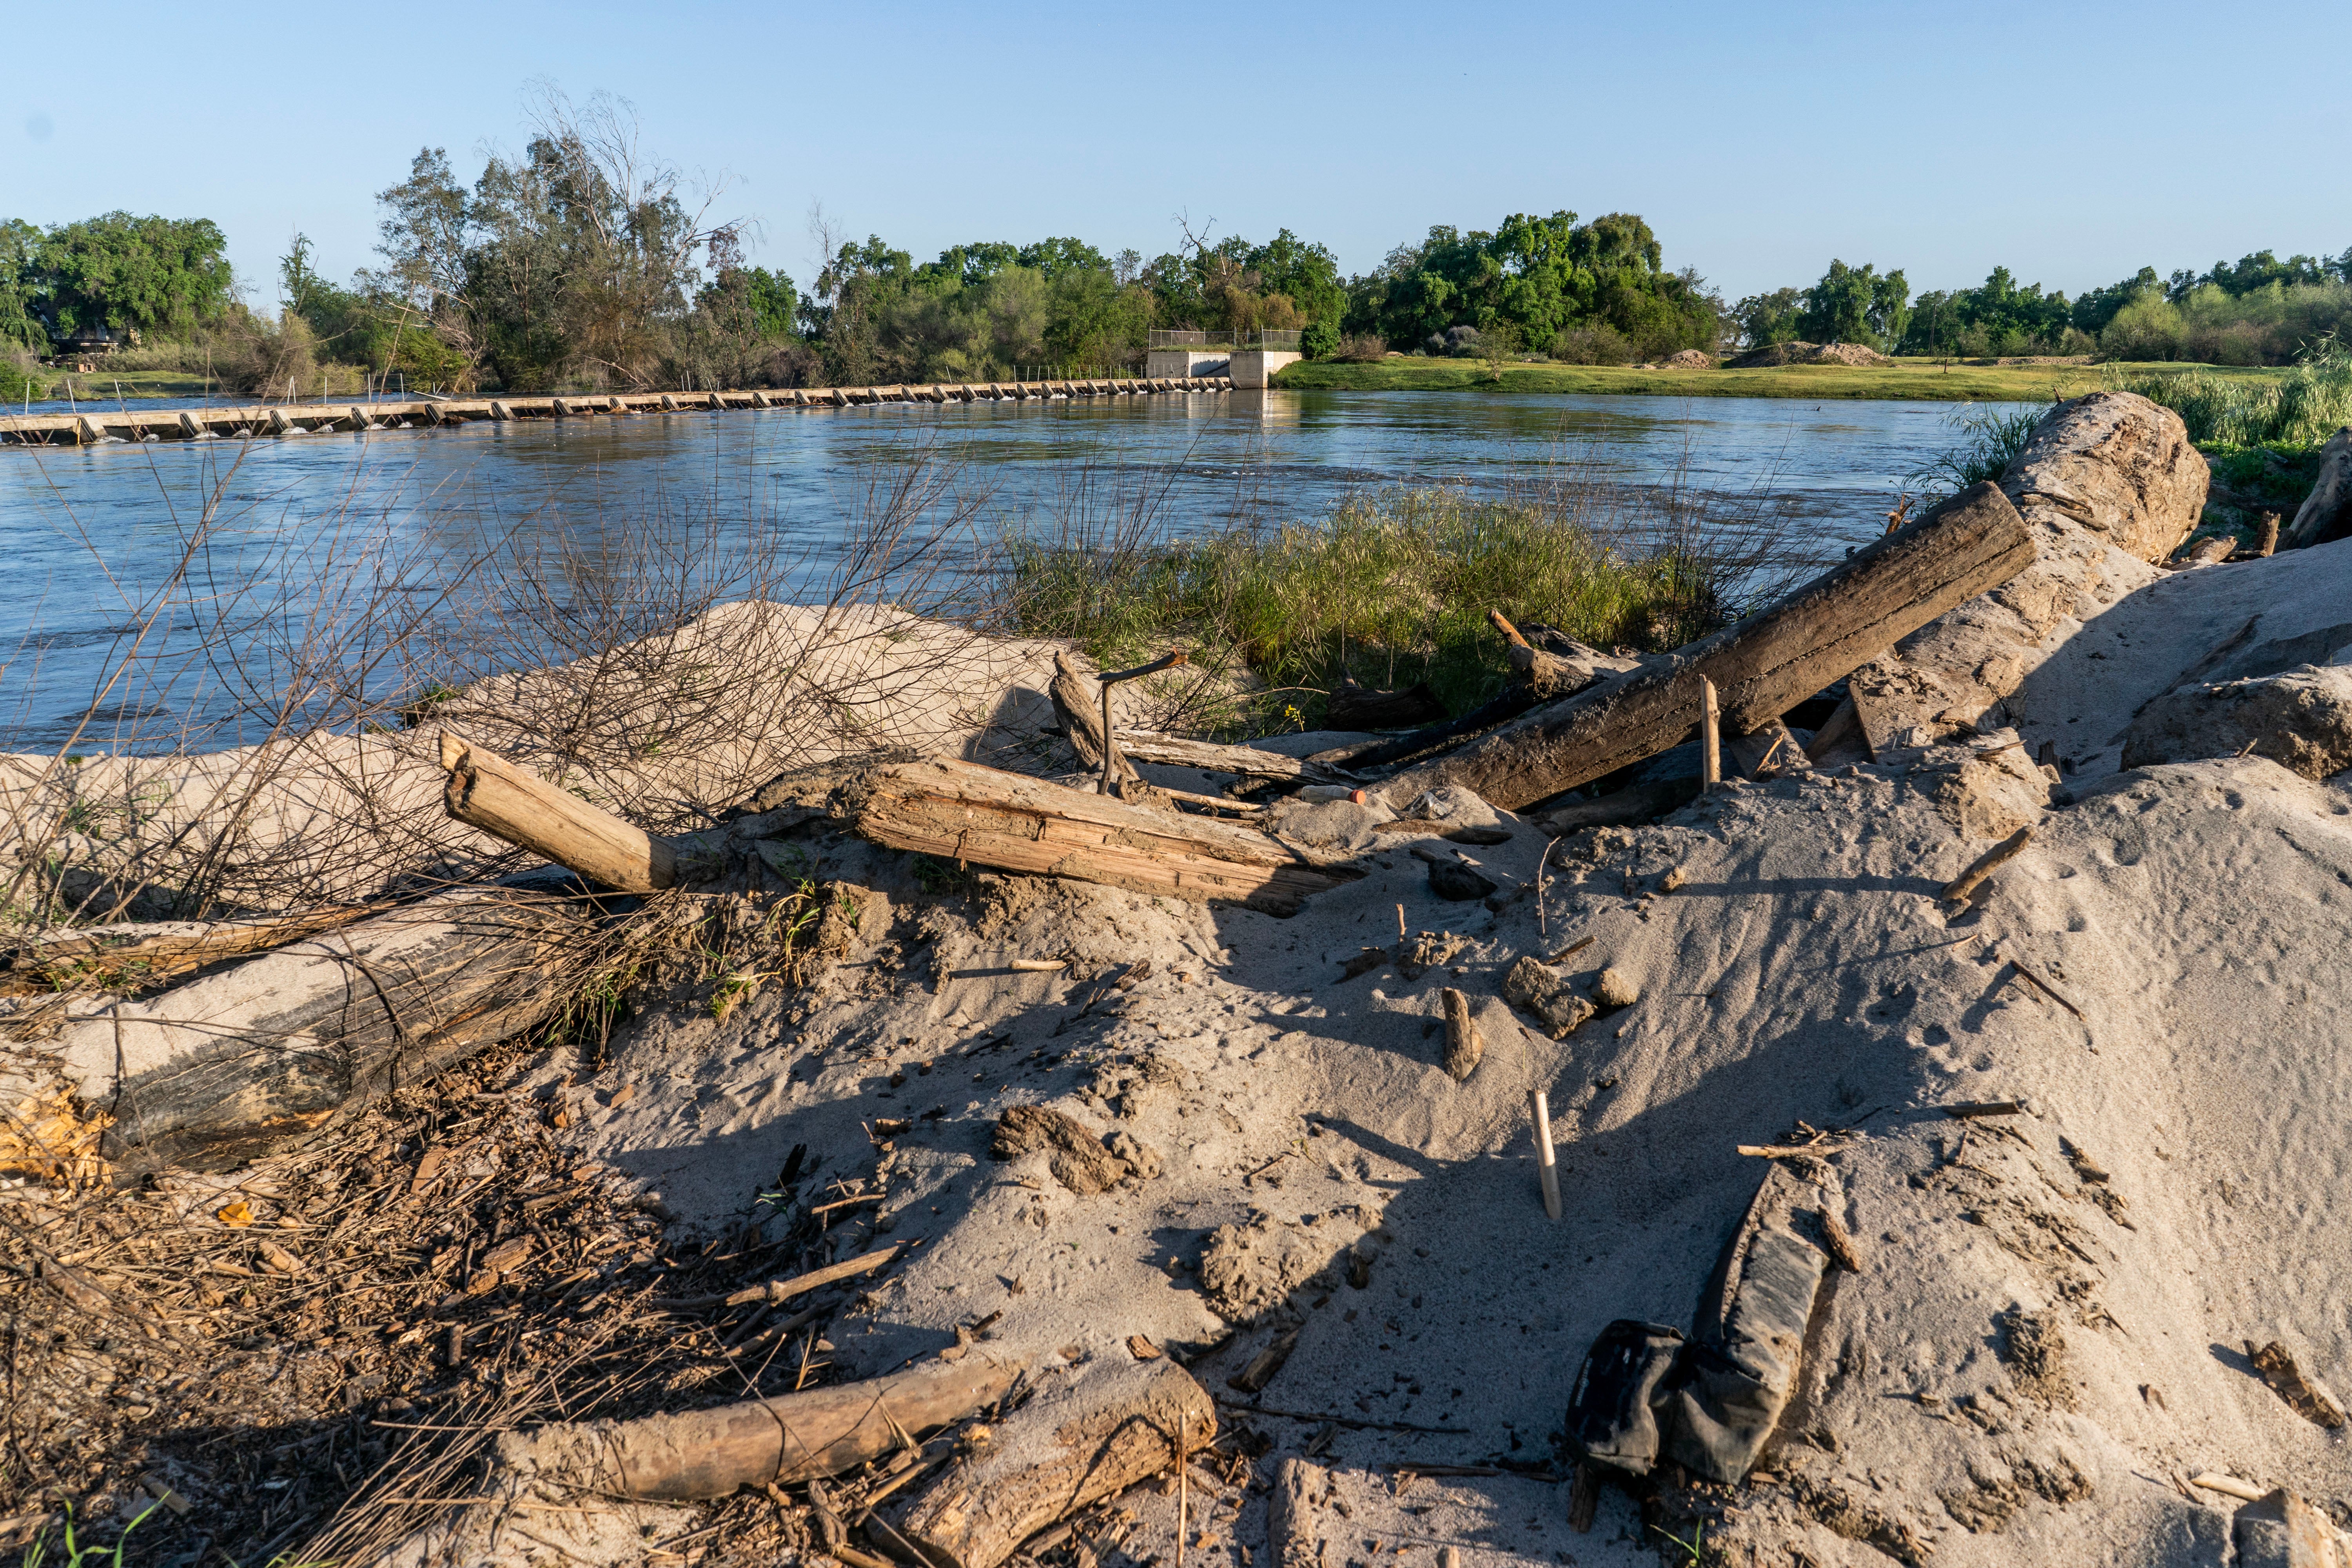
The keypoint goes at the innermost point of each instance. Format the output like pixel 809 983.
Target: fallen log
pixel 1638 804
pixel 234 1064
pixel 1083 1437
pixel 143 955
pixel 1762 665
pixel 487 792
pixel 791 1438
pixel 964 812
pixel 1175 752
pixel 1569 674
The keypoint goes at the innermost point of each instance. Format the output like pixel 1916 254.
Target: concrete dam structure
pixel 93 425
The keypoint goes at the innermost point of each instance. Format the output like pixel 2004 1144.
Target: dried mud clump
pixel 1077 1159
pixel 1545 992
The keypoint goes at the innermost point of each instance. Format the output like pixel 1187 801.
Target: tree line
pixel 585 261
pixel 2259 309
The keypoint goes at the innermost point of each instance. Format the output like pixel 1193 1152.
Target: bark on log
pixel 1591 667
pixel 487 792
pixel 710 1453
pixel 1763 666
pixel 1079 1440
pixel 235 1065
pixel 964 812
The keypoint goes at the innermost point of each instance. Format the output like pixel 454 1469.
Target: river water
pixel 252 547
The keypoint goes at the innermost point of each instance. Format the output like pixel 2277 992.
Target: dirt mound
pixel 1800 352
pixel 1688 359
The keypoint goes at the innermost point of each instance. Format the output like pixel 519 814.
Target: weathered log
pixel 1078 703
pixel 1082 1437
pixel 137 956
pixel 1638 804
pixel 1589 667
pixel 791 1438
pixel 234 1064
pixel 1762 665
pixel 1840 739
pixel 487 792
pixel 964 812
pixel 1175 752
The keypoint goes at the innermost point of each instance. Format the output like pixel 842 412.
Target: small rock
pixel 1616 989
pixel 1457 883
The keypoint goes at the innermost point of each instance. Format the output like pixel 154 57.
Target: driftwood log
pixel 1638 803
pixel 1080 1439
pixel 791 1438
pixel 145 955
pixel 966 813
pixel 1762 665
pixel 1352 705
pixel 1078 703
pixel 236 1064
pixel 487 792
pixel 1174 751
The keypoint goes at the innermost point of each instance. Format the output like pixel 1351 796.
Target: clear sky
pixel 2071 142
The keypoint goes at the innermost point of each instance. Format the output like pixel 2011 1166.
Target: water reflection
pixel 87 534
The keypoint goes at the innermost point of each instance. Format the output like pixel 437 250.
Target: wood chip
pixel 1141 1347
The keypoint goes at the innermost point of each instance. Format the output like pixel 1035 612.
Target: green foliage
pixel 2301 407
pixel 1544 277
pixel 1393 588
pixel 1855 305
pixel 2269 324
pixel 18 381
pixel 2002 318
pixel 149 275
pixel 77 1556
pixel 1764 319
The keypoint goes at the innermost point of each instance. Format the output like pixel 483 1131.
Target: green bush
pixel 18 383
pixel 2305 406
pixel 1392 588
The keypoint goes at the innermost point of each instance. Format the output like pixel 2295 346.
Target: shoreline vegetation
pixel 1911 379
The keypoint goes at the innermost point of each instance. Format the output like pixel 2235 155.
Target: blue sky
pixel 2073 143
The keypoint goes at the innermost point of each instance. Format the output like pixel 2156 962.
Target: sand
pixel 2047 1335
pixel 2031 1361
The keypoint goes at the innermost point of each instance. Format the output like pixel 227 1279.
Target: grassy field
pixel 102 385
pixel 1927 380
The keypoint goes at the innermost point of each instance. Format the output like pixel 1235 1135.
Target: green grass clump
pixel 1988 440
pixel 2298 406
pixel 1393 589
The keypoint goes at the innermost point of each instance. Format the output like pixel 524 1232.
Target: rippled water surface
pixel 88 533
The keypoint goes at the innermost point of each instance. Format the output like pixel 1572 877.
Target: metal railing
pixel 1278 339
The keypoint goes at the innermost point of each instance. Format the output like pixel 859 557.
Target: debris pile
pixel 1900 1124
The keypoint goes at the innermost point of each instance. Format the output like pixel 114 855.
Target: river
pixel 297 531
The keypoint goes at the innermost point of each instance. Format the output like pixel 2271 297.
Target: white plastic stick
pixel 1546 1166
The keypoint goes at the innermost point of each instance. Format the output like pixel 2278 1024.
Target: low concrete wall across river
pixel 93 425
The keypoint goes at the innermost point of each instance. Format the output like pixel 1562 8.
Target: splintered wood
pixel 972 815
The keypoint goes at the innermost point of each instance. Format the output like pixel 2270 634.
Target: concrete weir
pixel 94 424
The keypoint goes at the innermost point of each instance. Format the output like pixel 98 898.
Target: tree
pixel 1767 318
pixel 161 277
pixel 1856 305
